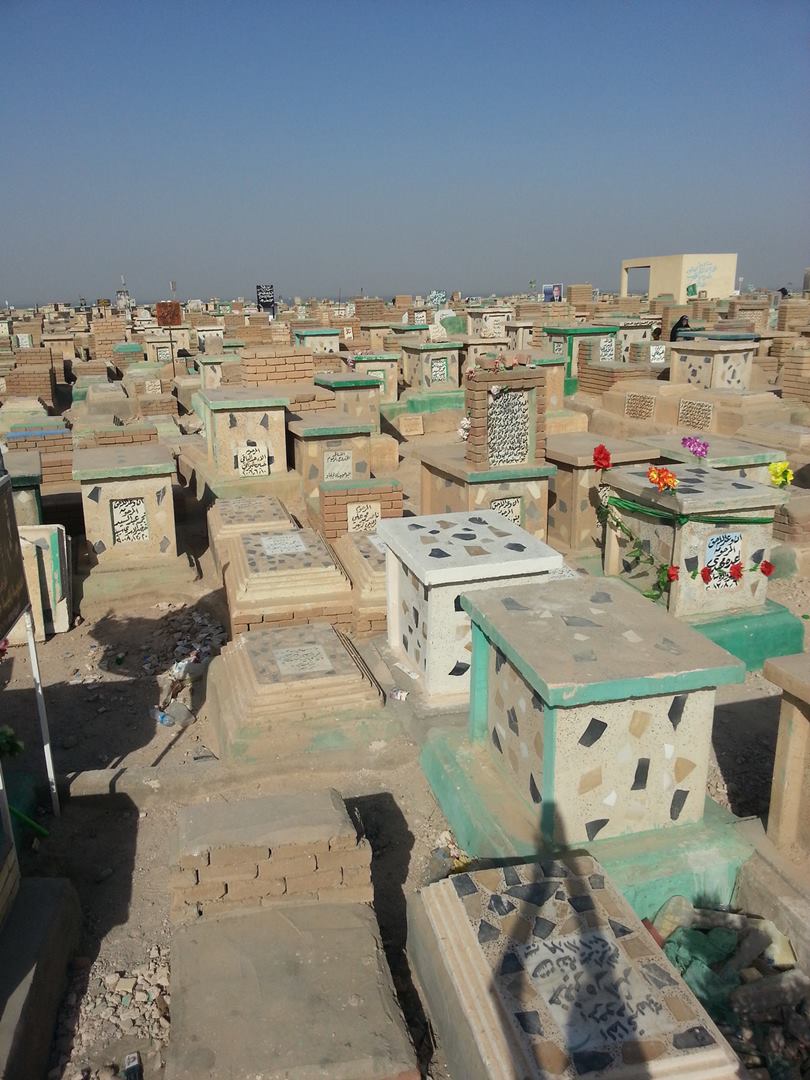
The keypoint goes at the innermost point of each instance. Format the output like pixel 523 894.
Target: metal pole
pixel 43 716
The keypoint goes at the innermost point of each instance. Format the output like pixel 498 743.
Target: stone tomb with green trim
pixel 430 367
pixel 590 717
pixel 328 446
pixel 565 346
pixel 357 396
pixel 384 367
pixel 245 431
pixel 734 457
pixel 710 523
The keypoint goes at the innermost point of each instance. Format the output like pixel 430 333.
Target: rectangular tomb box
pixel 519 334
pixel 430 562
pixel 245 431
pixel 564 341
pixel 384 367
pixel 715 529
pixel 737 459
pixel 357 396
pixel 318 339
pixel 473 350
pixel 544 970
pixel 628 332
pixel 573 522
pixel 489 322
pixel 328 447
pixel 431 366
pixel 213 366
pixel 721 365
pixel 595 705
pixel 127 503
pixel 229 518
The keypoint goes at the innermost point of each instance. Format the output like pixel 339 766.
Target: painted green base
pixel 423 403
pixel 773 631
pixel 700 861
pixel 571 385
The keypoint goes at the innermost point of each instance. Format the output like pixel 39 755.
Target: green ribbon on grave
pixel 681 519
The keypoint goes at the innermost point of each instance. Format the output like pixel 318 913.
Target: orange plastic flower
pixel 664 479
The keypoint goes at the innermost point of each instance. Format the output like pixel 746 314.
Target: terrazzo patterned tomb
pixel 709 524
pixel 245 431
pixel 329 447
pixel 721 365
pixel 595 706
pixel 629 332
pixel 430 367
pixel 384 367
pixel 543 970
pixel 268 683
pixel 284 577
pixel 430 562
pixel 357 396
pixel 362 556
pixel 734 457
pixel 229 518
pixel 127 504
pixel 573 498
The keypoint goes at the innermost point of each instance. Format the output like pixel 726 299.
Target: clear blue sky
pixel 340 144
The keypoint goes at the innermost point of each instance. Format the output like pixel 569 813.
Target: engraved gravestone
pixel 363 516
pixel 658 353
pixel 163 354
pixel 302 660
pixel 557 348
pixel 337 465
pixel 508 507
pixel 438 369
pixel 129 521
pixel 695 414
pixel 508 427
pixel 493 326
pixel 723 550
pixel 420 318
pixel 639 406
pixel 152 386
pixel 607 350
pixel 252 460
pixel 283 544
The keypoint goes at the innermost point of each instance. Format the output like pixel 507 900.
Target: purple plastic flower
pixel 695 446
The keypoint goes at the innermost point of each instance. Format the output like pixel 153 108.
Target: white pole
pixel 43 716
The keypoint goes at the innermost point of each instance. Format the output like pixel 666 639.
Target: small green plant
pixel 10 745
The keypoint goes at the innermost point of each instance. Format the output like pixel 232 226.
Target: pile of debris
pixel 182 632
pixel 743 971
pixel 100 1008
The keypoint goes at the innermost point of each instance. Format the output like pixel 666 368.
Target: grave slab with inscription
pixel 229 518
pixel 245 431
pixel 716 529
pixel 281 577
pixel 629 332
pixel 269 681
pixel 382 366
pixel 430 367
pixel 564 341
pixel 330 447
pixel 431 561
pixel 573 499
pixel 734 457
pixel 594 706
pixel 543 970
pixel 127 504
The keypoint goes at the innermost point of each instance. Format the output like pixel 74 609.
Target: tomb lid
pixel 699 490
pixel 792 673
pixel 597 639
pixel 576 331
pixel 408 328
pixel 723 450
pixel 232 343
pixel 519 324
pixel 334 381
pixel 715 343
pixel 362 358
pixel 142 459
pixel 24 467
pixel 378 325
pixel 217 358
pixel 128 347
pixel 328 424
pixel 431 346
pixel 240 397
pixel 577 447
pixel 318 331
pixel 458 547
pixel 452 460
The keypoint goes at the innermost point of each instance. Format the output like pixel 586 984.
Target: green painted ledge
pixel 491 823
pixel 346 382
pixel 423 403
pixel 755 637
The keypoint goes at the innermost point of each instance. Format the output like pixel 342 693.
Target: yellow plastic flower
pixel 781 473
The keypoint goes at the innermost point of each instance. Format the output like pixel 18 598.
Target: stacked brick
pixel 157 405
pixel 550 314
pixel 792 314
pixel 55 449
pixel 670 313
pixel 795 380
pixel 280 849
pixel 370 309
pixel 118 435
pixel 276 363
pixel 491 373
pixel 756 312
pixel 335 498
pixel 74 369
pixel 104 334
pixel 581 296
pixel 791 522
pixel 597 378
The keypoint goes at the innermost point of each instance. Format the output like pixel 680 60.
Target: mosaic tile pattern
pixel 293 654
pixel 584 987
pixel 252 509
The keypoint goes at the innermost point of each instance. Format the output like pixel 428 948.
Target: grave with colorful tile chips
pixel 543 970
pixel 229 518
pixel 431 560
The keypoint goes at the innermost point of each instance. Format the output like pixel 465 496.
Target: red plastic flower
pixel 766 568
pixel 735 571
pixel 706 574
pixel 672 573
pixel 601 456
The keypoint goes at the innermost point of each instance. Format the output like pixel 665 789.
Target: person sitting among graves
pixel 656 334
pixel 785 294
pixel 681 324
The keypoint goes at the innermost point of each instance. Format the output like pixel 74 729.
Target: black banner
pixel 266 298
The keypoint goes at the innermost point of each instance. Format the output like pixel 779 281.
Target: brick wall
pixel 159 405
pixel 274 364
pixel 122 435
pixel 334 502
pixel 338 869
pixel 476 400
pixel 32 380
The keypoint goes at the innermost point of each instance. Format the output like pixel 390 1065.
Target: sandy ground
pixel 100 682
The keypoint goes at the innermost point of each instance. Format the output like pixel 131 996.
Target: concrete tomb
pixel 330 447
pixel 431 561
pixel 357 396
pixel 565 340
pixel 430 367
pixel 384 367
pixel 229 518
pixel 362 556
pixel 789 814
pixel 245 431
pixel 270 683
pixel 543 970
pixel 734 457
pixel 722 365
